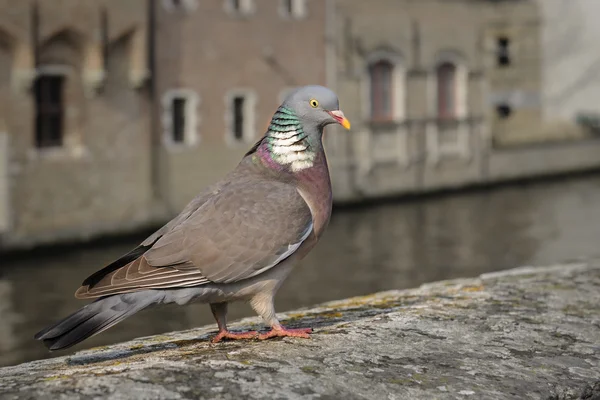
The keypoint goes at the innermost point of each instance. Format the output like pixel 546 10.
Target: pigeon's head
pixel 316 106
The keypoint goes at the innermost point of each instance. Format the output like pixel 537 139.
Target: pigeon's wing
pixel 133 255
pixel 240 232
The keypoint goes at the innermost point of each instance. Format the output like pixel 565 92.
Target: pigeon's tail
pixel 96 317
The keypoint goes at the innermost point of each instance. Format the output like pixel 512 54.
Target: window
pixel 381 98
pixel 49 121
pixel 503 52
pixel 178 110
pixel 180 5
pixel 240 7
pixel 293 8
pixel 180 117
pixel 240 116
pixel 503 111
pixel 446 90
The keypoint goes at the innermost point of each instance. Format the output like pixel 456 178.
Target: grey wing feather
pixel 235 231
pixel 238 233
pixel 189 209
pixel 106 272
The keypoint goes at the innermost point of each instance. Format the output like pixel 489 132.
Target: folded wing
pixel 242 231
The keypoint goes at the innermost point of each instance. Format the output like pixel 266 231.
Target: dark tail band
pixel 95 318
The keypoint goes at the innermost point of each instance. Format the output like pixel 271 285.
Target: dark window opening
pixel 238 117
pixel 288 6
pixel 236 4
pixel 178 116
pixel 503 111
pixel 381 90
pixel 503 52
pixel 179 5
pixel 49 111
pixel 446 91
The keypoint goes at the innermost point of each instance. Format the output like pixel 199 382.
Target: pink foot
pixel 233 335
pixel 281 332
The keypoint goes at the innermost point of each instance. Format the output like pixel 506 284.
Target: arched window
pixel 446 91
pixel 381 96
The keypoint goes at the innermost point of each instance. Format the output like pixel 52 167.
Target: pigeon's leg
pixel 219 311
pixel 263 305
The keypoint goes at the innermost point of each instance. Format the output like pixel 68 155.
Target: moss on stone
pixel 512 334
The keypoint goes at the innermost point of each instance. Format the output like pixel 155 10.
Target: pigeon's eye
pixel 314 103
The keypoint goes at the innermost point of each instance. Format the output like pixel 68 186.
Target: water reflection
pixel 364 250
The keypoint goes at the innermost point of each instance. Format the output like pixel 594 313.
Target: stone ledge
pixel 523 333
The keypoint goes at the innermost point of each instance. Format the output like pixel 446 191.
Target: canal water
pixel 367 249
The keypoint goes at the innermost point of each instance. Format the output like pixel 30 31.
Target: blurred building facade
pixel 442 94
pixel 226 65
pixel 114 114
pixel 74 114
pixel 571 67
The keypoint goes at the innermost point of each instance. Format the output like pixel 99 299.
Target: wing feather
pixel 241 231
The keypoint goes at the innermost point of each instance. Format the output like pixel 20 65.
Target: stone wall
pixel 214 53
pixel 519 84
pixel 570 59
pixel 538 161
pixel 489 167
pixel 418 150
pixel 119 170
pixel 523 333
pixel 99 179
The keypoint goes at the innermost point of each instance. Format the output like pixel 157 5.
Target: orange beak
pixel 338 115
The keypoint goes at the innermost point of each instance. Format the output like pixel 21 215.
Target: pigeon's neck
pixel 286 146
pixel 288 153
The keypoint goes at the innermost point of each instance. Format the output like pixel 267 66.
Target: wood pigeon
pixel 238 240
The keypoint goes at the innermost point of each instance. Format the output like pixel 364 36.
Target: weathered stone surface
pixel 528 333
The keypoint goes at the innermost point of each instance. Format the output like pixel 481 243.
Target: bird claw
pixel 233 336
pixel 282 332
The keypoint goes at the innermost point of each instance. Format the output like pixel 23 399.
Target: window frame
pixel 191 136
pixel 299 9
pixel 449 88
pixel 249 118
pixel 62 71
pixel 378 93
pixel 461 86
pixel 439 144
pixel 398 84
pixel 246 7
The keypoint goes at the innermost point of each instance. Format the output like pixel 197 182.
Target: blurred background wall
pixel 114 114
